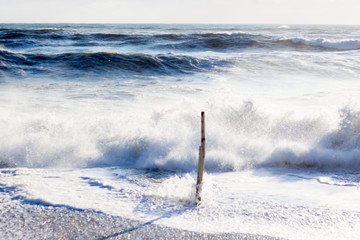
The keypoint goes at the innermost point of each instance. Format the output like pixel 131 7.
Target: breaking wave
pixel 237 138
pixel 324 44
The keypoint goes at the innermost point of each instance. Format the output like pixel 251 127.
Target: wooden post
pixel 201 160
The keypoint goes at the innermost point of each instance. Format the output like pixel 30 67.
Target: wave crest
pixel 326 44
pixel 102 62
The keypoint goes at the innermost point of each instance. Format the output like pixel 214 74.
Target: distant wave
pixel 215 41
pixel 18 38
pixel 212 41
pixel 101 62
pixel 284 27
pixel 328 44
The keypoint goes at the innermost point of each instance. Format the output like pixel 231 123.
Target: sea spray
pixel 239 137
pixel 103 120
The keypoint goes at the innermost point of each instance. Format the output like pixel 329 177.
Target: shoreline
pixel 32 221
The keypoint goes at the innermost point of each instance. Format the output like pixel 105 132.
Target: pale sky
pixel 181 11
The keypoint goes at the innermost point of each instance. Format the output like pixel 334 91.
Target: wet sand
pixel 20 220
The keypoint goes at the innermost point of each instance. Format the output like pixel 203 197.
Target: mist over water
pixel 114 110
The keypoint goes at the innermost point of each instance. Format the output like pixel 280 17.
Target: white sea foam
pixel 348 44
pixel 239 136
pixel 284 27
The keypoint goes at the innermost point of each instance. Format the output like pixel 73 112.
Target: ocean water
pixel 106 118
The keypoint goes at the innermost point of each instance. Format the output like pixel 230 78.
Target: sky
pixel 181 11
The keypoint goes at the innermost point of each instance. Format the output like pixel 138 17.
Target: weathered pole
pixel 201 160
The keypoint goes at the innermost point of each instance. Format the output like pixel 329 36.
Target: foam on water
pixel 256 202
pixel 337 45
pixel 282 125
pixel 151 130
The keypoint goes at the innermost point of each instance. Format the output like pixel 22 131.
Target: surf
pixel 102 122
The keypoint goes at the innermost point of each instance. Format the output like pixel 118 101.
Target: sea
pixel 102 121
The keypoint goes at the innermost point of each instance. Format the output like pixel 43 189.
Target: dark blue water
pixel 72 51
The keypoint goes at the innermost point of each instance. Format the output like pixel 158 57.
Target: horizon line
pixel 179 23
